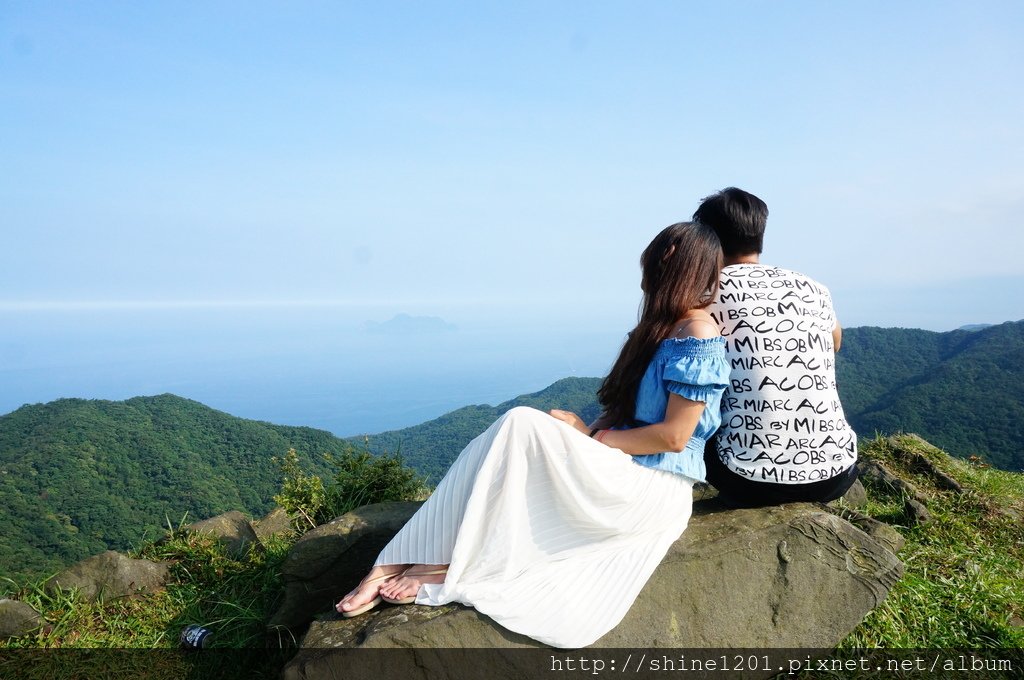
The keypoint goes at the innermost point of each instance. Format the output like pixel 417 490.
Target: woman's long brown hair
pixel 680 273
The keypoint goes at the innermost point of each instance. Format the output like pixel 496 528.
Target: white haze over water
pixel 332 367
pixel 360 369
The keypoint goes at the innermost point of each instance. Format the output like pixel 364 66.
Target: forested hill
pixel 962 390
pixel 78 477
pixel 432 446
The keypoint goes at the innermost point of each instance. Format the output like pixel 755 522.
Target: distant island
pixel 404 324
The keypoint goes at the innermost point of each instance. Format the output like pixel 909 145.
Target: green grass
pixel 231 597
pixel 963 586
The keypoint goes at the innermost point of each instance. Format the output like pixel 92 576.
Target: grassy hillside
pixel 78 477
pixel 962 587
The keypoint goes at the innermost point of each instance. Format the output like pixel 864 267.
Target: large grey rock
pixel 880 531
pixel 790 576
pixel 109 576
pixel 876 475
pixel 330 560
pixel 276 523
pixel 856 496
pixel 232 530
pixel 916 512
pixel 17 619
pixel 911 449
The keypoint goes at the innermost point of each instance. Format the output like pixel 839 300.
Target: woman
pixel 552 527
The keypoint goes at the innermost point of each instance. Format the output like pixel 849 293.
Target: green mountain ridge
pixel 81 476
pixel 962 390
pixel 430 448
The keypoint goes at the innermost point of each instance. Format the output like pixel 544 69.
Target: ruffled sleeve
pixel 698 376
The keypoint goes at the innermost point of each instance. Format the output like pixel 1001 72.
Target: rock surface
pixel 877 475
pixel 856 496
pixel 232 530
pixel 880 531
pixel 275 523
pixel 109 576
pixel 920 463
pixel 916 512
pixel 767 577
pixel 330 560
pixel 17 619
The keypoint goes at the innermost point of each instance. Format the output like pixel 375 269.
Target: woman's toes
pixel 353 600
pixel 366 591
pixel 402 588
pixel 395 588
pixel 345 603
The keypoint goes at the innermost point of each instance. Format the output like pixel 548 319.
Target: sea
pixel 348 370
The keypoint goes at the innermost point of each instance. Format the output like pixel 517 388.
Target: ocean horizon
pixel 347 369
pixel 344 371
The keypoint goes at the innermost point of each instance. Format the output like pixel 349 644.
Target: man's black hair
pixel 738 217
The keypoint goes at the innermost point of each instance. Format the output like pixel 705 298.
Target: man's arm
pixel 837 336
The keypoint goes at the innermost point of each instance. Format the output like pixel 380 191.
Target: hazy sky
pixel 426 155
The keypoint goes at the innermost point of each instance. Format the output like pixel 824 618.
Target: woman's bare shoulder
pixel 697 324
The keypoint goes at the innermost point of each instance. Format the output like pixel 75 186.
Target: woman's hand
pixel 570 418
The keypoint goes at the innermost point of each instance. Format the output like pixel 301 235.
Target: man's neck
pixel 747 258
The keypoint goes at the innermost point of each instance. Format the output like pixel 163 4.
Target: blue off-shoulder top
pixel 695 369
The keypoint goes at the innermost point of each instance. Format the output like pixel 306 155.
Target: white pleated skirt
pixel 547 531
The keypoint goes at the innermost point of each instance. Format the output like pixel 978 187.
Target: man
pixel 783 436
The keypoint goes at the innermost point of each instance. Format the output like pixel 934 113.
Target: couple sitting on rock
pixel 552 526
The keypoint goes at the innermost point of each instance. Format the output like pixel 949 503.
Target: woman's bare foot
pixel 403 588
pixel 365 596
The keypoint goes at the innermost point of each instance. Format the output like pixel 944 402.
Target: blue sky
pixel 514 158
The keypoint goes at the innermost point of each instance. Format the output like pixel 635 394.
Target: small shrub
pixel 302 495
pixel 362 478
